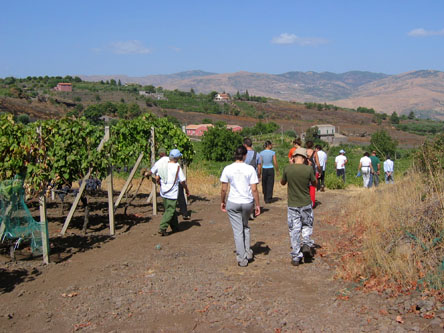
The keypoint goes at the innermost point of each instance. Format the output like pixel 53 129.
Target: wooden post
pixel 44 229
pixel 128 181
pixel 153 160
pixel 185 171
pixel 82 187
pixel 110 191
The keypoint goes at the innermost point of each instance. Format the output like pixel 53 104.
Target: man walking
pixel 254 159
pixel 170 175
pixel 376 164
pixel 365 168
pixel 322 157
pixel 389 170
pixel 298 176
pixel 340 162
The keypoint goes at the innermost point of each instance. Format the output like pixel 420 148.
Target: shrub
pixel 220 143
pixel 333 182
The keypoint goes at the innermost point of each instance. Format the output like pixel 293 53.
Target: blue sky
pixel 139 38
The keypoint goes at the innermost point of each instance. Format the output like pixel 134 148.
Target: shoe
pixel 186 217
pixel 252 217
pixel 307 252
pixel 296 262
pixel 242 264
pixel 322 188
pixel 163 233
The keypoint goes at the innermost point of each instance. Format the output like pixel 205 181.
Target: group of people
pixel 300 175
pixel 303 175
pixel 369 168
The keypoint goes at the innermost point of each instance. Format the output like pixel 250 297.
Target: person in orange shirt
pixel 296 144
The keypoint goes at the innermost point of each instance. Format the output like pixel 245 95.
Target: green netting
pixel 15 218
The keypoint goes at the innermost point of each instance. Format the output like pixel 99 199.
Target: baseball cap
pixel 175 153
pixel 300 151
pixel 342 151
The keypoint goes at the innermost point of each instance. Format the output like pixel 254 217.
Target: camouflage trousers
pixel 300 227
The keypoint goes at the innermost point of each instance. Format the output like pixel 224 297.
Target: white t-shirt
pixel 240 176
pixel 171 182
pixel 322 156
pixel 161 167
pixel 340 161
pixel 365 161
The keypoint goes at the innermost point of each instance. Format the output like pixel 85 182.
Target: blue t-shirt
pixel 267 158
pixel 250 154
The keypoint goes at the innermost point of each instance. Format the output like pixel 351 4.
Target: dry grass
pixel 395 233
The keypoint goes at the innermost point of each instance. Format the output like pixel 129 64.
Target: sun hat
pixel 342 151
pixel 175 153
pixel 300 151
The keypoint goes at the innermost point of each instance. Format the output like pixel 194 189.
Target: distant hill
pixel 419 91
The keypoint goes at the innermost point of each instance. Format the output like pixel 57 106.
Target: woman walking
pixel 313 161
pixel 269 164
pixel 243 193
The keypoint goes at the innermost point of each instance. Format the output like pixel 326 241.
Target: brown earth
pixel 189 281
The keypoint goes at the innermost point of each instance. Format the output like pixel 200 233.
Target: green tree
pixel 383 143
pixel 312 134
pixel 220 143
pixel 394 119
pixel 411 115
pixel 23 118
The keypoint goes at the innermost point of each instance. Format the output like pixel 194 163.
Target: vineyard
pixel 54 154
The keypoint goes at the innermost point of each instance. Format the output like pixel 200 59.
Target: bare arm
pixel 185 186
pixel 275 163
pixel 223 195
pixel 257 208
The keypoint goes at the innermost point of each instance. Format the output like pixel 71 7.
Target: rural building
pixel 197 130
pixel 234 128
pixel 63 87
pixel 328 134
pixel 325 130
pixel 222 98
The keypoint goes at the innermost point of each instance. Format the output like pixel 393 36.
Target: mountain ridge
pixel 421 91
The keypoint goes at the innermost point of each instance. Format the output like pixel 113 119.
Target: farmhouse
pixel 328 133
pixel 197 130
pixel 155 96
pixel 222 98
pixel 63 87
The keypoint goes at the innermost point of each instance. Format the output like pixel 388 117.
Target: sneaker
pixel 186 217
pixel 322 188
pixel 252 217
pixel 295 262
pixel 163 233
pixel 242 264
pixel 307 252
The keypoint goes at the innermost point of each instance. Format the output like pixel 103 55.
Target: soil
pixel 189 281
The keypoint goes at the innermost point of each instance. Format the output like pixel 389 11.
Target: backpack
pixel 253 161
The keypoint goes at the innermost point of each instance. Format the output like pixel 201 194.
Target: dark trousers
pixel 321 180
pixel 181 201
pixel 341 173
pixel 268 184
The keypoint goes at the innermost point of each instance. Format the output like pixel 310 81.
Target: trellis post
pixel 153 160
pixel 110 190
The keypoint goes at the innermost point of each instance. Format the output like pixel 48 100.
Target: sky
pixel 139 38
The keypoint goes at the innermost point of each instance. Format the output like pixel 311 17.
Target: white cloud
pixel 129 47
pixel 421 32
pixel 286 38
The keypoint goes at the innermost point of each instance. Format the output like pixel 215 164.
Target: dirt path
pixel 188 281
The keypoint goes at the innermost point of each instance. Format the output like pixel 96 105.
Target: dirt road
pixel 189 281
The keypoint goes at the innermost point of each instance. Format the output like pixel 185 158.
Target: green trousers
pixel 169 217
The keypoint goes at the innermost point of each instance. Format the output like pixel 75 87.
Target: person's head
pixel 268 144
pixel 373 153
pixel 297 142
pixel 342 152
pixel 300 155
pixel 240 153
pixel 162 152
pixel 175 154
pixel 388 156
pixel 318 147
pixel 309 145
pixel 248 142
pixel 366 154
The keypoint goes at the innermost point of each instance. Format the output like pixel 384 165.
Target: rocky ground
pixel 189 281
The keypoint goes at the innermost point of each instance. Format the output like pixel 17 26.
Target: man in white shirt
pixel 340 162
pixel 322 156
pixel 170 175
pixel 388 170
pixel 366 168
